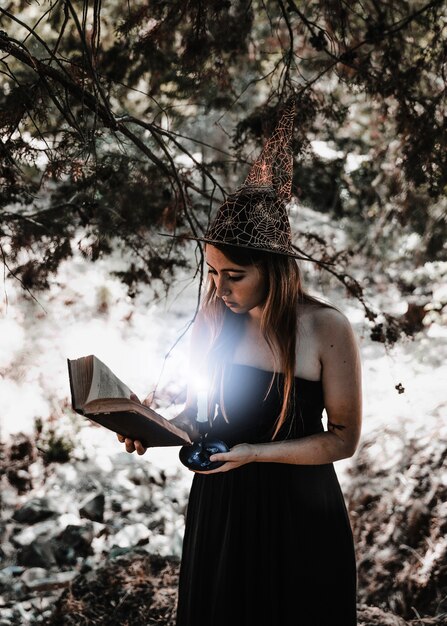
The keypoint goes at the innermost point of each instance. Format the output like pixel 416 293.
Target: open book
pixel 103 398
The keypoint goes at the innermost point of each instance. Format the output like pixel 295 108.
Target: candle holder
pixel 196 456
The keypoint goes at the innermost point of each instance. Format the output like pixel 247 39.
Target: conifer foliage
pixel 121 120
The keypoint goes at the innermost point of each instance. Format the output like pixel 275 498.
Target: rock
pixel 93 507
pixel 116 551
pixel 131 535
pixel 49 583
pixel 35 510
pixel 10 571
pixel 39 553
pixel 8 576
pixel 29 534
pixel 72 543
pixel 32 574
pixel 30 548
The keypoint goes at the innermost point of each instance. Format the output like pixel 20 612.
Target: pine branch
pixel 46 72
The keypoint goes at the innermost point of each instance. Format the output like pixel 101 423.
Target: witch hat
pixel 255 215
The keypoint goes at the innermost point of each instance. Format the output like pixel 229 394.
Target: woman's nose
pixel 222 288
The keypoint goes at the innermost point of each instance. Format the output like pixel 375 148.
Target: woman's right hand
pixel 133 445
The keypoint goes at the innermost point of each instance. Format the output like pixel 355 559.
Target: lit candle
pixel 202 406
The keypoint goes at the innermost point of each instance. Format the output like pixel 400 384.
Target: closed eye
pixel 234 279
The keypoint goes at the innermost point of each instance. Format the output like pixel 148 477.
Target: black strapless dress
pixel 267 544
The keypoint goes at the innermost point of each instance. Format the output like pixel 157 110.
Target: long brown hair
pixel 279 324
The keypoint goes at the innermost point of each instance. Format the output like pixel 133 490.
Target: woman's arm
pixel 341 377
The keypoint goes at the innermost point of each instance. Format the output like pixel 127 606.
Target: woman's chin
pixel 236 309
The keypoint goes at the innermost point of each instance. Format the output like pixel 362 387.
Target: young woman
pixel 268 540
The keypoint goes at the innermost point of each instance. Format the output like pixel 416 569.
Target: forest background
pixel 121 122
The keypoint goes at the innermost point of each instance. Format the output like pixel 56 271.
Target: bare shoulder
pixel 326 324
pixel 328 319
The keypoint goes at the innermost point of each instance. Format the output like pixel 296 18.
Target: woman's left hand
pixel 241 454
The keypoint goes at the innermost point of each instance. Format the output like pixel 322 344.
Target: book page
pixel 105 384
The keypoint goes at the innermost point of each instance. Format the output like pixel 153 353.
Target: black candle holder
pixel 196 456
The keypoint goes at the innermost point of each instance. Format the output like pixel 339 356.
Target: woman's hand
pixel 239 455
pixel 133 446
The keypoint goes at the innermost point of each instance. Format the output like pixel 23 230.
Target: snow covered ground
pixel 86 311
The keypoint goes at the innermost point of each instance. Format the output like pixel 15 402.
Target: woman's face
pixel 241 287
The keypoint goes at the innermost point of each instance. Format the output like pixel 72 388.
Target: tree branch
pixel 81 94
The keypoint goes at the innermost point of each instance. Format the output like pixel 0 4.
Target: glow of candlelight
pixel 202 406
pixel 201 386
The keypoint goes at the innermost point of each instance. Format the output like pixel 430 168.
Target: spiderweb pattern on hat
pixel 274 166
pixel 255 215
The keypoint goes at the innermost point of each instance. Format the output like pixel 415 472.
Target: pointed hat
pixel 255 215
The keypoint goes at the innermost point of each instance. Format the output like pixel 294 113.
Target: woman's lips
pixel 231 304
